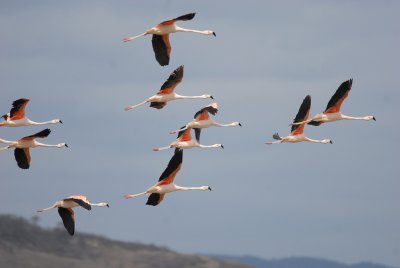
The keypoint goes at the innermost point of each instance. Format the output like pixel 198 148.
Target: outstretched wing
pixel 67 216
pixel 203 114
pixel 301 116
pixel 172 169
pixel 18 109
pixel 155 199
pixel 340 95
pixel 80 200
pixel 23 157
pixel 184 135
pixel 183 18
pixel 173 80
pixel 161 48
pixel 157 105
pixel 197 132
pixel 42 134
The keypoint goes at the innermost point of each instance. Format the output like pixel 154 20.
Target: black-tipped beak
pixel 330 142
pixel 240 124
pixel 66 145
pixel 214 34
pixel 61 122
pixel 211 97
pixel 222 146
pixel 209 188
pixel 374 118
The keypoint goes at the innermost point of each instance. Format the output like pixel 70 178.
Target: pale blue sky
pixel 337 201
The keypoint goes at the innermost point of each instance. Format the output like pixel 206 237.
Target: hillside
pixel 296 262
pixel 25 244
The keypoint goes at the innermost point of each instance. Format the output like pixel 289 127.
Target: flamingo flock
pixel 203 119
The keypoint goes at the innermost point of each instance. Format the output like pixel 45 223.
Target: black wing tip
pixel 20 101
pixel 153 200
pixel 21 158
pixel 314 123
pixel 188 16
pixel 158 105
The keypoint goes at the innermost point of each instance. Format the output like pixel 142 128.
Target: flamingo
pixel 202 119
pixel 332 111
pixel 166 182
pixel 185 141
pixel 67 214
pixel 166 93
pixel 16 117
pixel 22 146
pixel 160 40
pixel 297 130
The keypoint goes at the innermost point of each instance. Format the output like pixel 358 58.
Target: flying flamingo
pixel 166 93
pixel 22 146
pixel 332 111
pixel 16 117
pixel 297 130
pixel 185 141
pixel 202 119
pixel 160 41
pixel 166 182
pixel 67 214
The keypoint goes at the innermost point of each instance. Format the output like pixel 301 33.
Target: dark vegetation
pixel 25 244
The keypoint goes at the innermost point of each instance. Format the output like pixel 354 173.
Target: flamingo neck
pixel 191 97
pixel 233 124
pixel 210 146
pixel 42 123
pixel 179 29
pixel 99 204
pixel 325 141
pixel 181 188
pixel 367 118
pixel 38 144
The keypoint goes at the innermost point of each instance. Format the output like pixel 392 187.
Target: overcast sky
pixel 337 201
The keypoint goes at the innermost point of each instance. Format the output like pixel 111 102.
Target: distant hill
pixel 296 262
pixel 25 244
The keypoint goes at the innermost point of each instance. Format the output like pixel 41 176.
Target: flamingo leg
pixel 134 106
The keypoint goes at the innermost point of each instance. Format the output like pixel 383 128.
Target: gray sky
pixel 337 201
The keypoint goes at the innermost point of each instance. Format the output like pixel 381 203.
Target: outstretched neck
pixel 38 144
pixel 233 124
pixel 179 29
pixel 325 141
pixel 367 118
pixel 43 123
pixel 192 97
pixel 211 146
pixel 99 205
pixel 181 188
